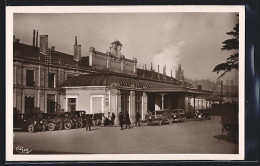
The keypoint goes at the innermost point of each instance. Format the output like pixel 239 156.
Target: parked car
pixel 160 117
pixel 198 115
pixel 182 114
pixel 54 122
pixel 79 117
pixel 68 122
pixel 28 122
pixel 207 114
pixel 176 117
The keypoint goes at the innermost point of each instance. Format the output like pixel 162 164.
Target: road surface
pixel 196 137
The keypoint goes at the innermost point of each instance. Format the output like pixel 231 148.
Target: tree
pixel 230 45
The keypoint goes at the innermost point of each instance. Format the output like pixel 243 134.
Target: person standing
pixel 127 120
pixel 137 119
pixel 121 120
pixel 88 122
pixel 113 117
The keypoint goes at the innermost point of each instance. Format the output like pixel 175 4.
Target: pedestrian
pixel 108 121
pixel 113 117
pixel 137 119
pixel 127 120
pixel 121 120
pixel 103 118
pixel 88 122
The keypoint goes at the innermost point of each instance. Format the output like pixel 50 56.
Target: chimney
pixel 164 70
pixel 179 67
pixel 145 67
pixel 52 48
pixel 77 50
pixel 43 44
pixel 171 73
pixel 151 66
pixel 33 37
pixel 158 72
pixel 37 38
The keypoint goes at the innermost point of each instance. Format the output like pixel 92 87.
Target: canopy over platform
pixel 121 81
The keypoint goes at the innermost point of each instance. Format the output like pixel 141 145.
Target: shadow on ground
pixel 226 138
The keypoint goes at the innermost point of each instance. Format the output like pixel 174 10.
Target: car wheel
pixel 43 128
pixel 80 124
pixel 31 128
pixel 67 125
pixel 51 126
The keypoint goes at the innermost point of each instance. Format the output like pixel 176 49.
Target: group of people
pixel 105 121
pixel 109 120
pixel 125 119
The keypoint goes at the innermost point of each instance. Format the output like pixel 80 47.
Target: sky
pixel 193 40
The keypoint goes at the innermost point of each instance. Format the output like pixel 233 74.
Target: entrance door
pixel 125 103
pixel 29 104
pixel 51 104
pixel 97 105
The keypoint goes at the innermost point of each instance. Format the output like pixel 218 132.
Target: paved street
pixel 188 137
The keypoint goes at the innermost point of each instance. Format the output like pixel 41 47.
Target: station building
pixel 47 80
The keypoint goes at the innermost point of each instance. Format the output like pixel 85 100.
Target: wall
pixel 101 60
pixel 84 97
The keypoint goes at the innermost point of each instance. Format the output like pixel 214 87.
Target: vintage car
pixel 54 122
pixel 206 114
pixel 79 117
pixel 160 117
pixel 175 115
pixel 68 122
pixel 182 114
pixel 28 122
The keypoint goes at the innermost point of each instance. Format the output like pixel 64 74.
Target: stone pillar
pixel 144 105
pixel 186 105
pixel 115 103
pixel 163 94
pixel 194 103
pixel 132 106
pixel 108 63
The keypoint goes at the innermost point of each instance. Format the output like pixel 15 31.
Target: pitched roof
pixel 116 79
pixel 124 81
pixel 32 53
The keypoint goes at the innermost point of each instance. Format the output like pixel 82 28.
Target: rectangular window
pixel 30 78
pixel 51 80
pixel 69 76
pixel 71 104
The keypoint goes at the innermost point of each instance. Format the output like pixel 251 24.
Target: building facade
pixel 47 80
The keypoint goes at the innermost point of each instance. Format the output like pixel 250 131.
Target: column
pixel 186 107
pixel 144 105
pixel 132 106
pixel 194 102
pixel 163 94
